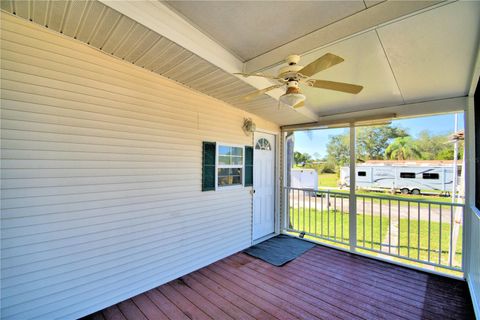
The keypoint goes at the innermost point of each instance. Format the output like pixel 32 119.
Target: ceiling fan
pixel 293 74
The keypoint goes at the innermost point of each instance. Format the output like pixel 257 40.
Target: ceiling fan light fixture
pixel 292 99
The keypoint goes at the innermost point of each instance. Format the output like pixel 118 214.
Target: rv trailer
pixel 413 179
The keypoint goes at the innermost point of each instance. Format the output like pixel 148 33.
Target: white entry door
pixel 263 185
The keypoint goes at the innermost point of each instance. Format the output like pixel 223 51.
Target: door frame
pixel 276 189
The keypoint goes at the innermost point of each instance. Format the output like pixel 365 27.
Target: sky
pixel 315 142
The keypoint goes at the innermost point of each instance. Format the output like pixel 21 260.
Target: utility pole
pixel 455 162
pixel 458 217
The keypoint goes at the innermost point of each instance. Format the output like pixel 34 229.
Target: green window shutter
pixel 248 166
pixel 208 166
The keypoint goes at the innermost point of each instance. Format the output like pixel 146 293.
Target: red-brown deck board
pixel 323 283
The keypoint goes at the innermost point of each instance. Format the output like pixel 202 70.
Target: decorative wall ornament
pixel 248 126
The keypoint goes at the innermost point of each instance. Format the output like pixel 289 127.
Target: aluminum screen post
pixel 352 203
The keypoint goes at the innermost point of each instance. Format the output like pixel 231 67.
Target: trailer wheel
pixel 416 192
pixel 405 191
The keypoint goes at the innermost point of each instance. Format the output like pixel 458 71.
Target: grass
pixel 328 180
pixel 333 225
pixel 417 246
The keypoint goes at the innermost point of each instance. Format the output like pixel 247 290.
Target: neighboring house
pixel 124 162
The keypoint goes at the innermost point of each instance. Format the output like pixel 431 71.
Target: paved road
pixel 387 207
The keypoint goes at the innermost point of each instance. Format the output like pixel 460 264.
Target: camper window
pixel 229 166
pixel 362 173
pixel 431 176
pixel 407 175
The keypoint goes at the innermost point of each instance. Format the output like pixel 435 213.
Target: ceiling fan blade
pixel 246 75
pixel 324 62
pixel 299 105
pixel 257 93
pixel 337 86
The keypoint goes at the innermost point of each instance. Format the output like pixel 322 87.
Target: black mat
pixel 279 250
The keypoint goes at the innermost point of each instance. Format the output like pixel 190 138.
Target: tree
pixel 338 149
pixel 403 148
pixel 434 147
pixel 301 158
pixel 372 141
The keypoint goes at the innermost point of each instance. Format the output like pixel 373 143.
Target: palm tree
pixel 402 148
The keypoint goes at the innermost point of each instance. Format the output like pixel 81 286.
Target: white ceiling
pixel 432 54
pixel 423 57
pixel 251 28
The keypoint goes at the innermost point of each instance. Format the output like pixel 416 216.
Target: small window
pixel 362 173
pixel 230 166
pixel 263 144
pixel 431 176
pixel 407 175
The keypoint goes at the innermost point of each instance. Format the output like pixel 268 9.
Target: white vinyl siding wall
pixel 101 177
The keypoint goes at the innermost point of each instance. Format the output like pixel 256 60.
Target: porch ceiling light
pixel 292 99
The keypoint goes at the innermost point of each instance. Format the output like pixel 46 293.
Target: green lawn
pixel 421 252
pixel 334 225
pixel 328 180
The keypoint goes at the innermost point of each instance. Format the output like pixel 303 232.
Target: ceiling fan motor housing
pixel 292 59
pixel 293 89
pixel 290 71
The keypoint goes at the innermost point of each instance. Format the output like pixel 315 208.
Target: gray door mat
pixel 279 250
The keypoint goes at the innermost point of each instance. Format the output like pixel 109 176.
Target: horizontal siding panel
pixel 79 133
pixel 101 171
pixel 81 141
pixel 51 145
pixel 221 251
pixel 91 181
pixel 22 192
pixel 92 123
pixel 129 282
pixel 73 249
pixel 118 206
pixel 140 249
pixel 74 207
pixel 112 226
pixel 28 74
pixel 25 202
pixel 183 158
pixel 84 185
pixel 164 193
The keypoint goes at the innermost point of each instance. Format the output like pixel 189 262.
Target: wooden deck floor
pixel 321 284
